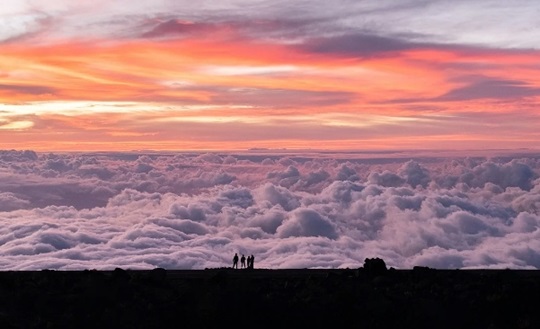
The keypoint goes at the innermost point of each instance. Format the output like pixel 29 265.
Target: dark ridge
pixel 264 298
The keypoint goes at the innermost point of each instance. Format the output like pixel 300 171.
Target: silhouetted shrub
pixel 374 266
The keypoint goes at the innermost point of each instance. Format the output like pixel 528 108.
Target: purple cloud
pixel 175 27
pixel 481 87
pixel 490 88
pixel 28 89
pixel 356 45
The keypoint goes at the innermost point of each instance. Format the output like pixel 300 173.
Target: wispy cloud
pixel 493 89
pixel 347 72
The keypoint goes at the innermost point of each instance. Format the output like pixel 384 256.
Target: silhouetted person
pixel 235 261
pixel 252 260
pixel 243 261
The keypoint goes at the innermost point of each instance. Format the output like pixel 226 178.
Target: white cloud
pixel 494 23
pixel 307 222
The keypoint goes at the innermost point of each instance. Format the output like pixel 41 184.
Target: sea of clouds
pixel 308 210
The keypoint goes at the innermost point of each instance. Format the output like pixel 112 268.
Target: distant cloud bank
pixel 195 210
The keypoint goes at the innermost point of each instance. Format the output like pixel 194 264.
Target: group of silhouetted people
pixel 245 262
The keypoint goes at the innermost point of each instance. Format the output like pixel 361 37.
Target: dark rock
pixel 158 274
pixel 271 298
pixel 120 275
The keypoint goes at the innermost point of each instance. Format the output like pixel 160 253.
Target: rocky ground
pixel 416 298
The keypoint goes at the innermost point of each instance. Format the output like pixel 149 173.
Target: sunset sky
pixel 312 134
pixel 237 74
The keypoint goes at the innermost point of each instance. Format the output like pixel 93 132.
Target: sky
pixel 234 74
pixel 310 134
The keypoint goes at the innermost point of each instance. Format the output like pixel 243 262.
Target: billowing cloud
pixel 307 222
pixel 10 201
pixel 100 210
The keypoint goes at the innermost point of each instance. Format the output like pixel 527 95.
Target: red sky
pixel 328 75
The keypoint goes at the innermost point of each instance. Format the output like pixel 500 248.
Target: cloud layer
pixel 195 210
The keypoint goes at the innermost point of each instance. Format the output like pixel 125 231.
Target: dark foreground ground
pixel 420 298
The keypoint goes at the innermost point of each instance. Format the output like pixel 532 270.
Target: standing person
pixel 248 261
pixel 252 260
pixel 243 261
pixel 235 261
